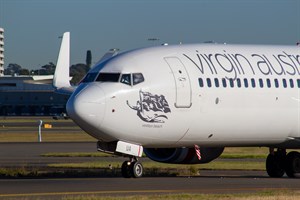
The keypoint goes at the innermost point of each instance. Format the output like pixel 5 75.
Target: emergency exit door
pixel 182 82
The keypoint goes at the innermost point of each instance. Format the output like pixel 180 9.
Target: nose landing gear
pixel 132 168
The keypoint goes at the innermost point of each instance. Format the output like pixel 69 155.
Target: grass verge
pixel 262 195
pixel 215 165
pixel 229 153
pixel 76 154
pixel 112 169
pixel 46 137
pixel 99 154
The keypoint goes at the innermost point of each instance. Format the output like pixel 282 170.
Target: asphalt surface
pixel 216 184
pixel 11 126
pixel 30 154
pixel 35 123
pixel 21 154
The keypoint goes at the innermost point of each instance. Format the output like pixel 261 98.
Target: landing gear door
pixel 182 82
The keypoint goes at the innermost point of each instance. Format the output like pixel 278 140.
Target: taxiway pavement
pixel 18 154
pixel 217 183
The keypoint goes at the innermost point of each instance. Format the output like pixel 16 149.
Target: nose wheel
pixel 132 169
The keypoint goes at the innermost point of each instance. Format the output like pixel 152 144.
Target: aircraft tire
pixel 274 166
pixel 292 167
pixel 126 170
pixel 137 169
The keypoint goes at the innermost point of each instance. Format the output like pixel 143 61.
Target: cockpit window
pixel 108 77
pixel 132 79
pixel 90 77
pixel 126 79
pixel 137 78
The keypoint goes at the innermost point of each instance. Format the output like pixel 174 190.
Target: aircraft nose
pixel 87 108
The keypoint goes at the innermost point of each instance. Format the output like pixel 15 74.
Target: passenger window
pixel 291 83
pixel 217 82
pixel 298 81
pixel 253 82
pixel 200 82
pixel 126 79
pixel 246 82
pixel 284 83
pixel 238 81
pixel 261 83
pixel 231 83
pixel 276 83
pixel 208 82
pixel 224 82
pixel 137 78
pixel 268 83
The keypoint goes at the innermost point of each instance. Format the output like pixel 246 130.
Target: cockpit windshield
pixel 128 79
pixel 132 79
pixel 137 78
pixel 108 77
pixel 90 77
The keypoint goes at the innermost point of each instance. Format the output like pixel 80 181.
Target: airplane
pixel 185 103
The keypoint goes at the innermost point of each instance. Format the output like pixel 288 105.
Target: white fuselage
pixel 183 99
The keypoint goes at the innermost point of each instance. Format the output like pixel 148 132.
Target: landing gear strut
pixel 132 168
pixel 278 163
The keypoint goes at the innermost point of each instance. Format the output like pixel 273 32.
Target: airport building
pixel 30 96
pixel 1 51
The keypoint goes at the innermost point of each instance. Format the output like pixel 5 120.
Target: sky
pixel 32 27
